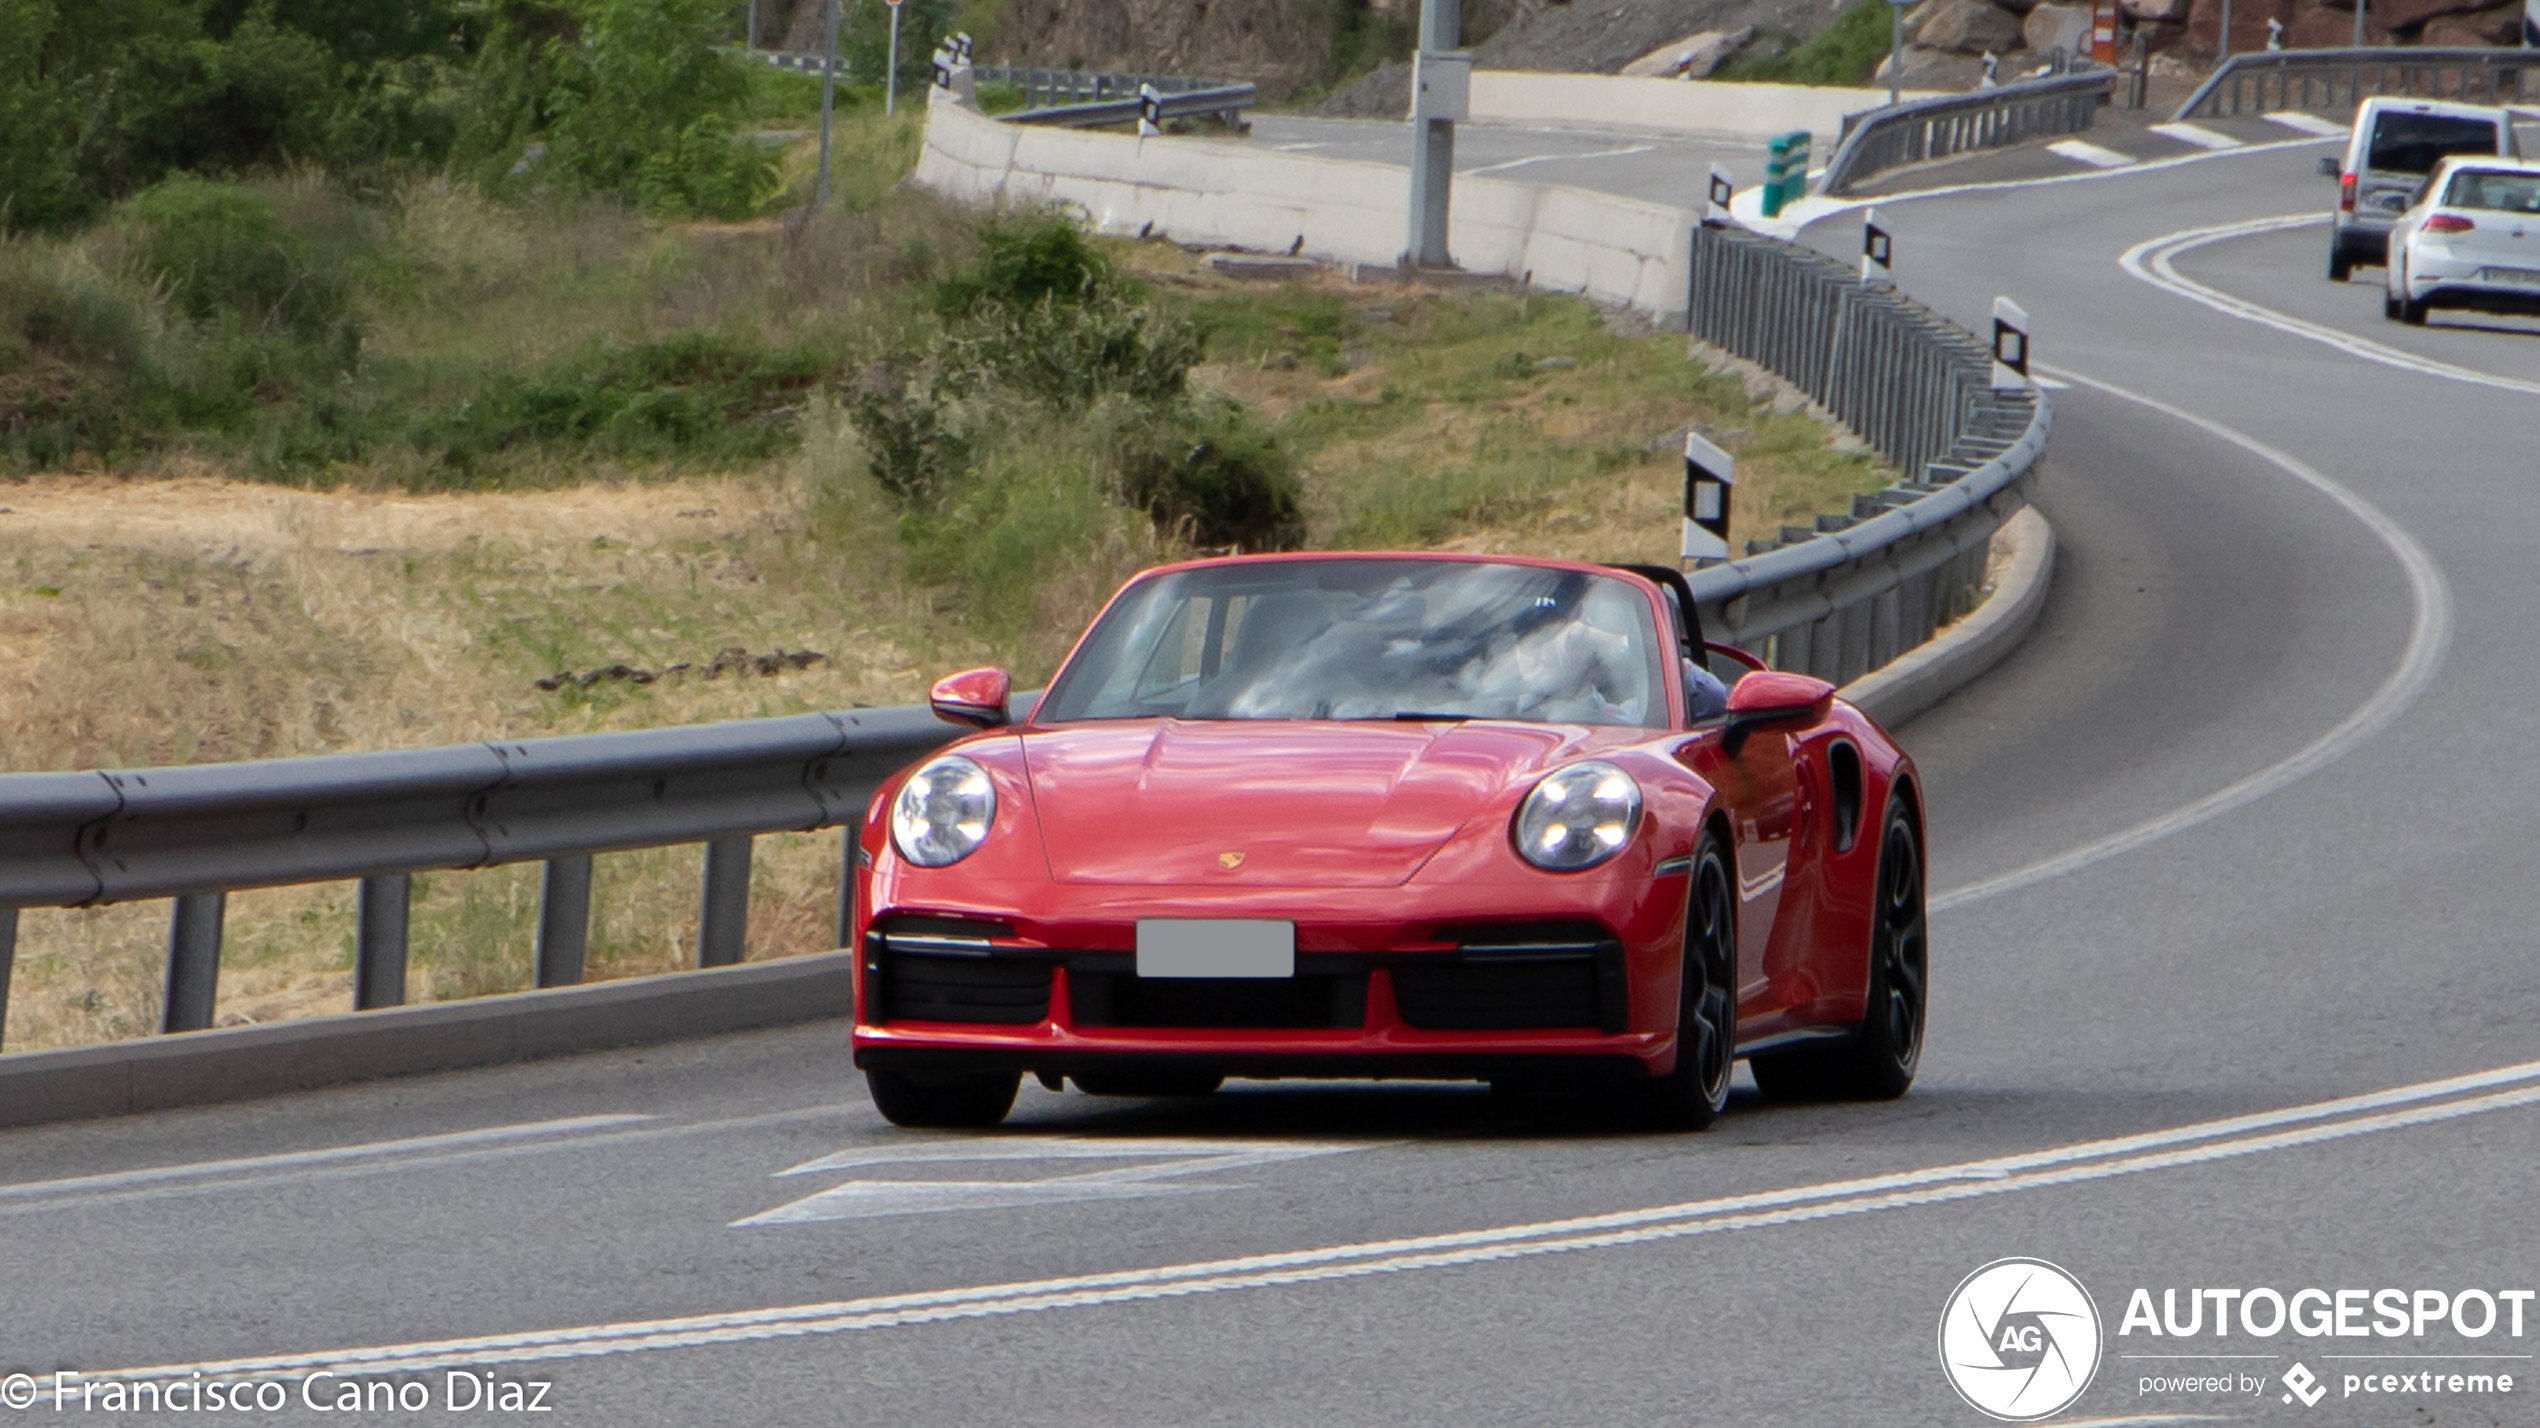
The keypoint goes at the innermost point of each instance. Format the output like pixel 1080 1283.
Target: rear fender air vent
pixel 1843 771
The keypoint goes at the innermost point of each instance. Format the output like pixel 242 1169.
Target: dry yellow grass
pixel 194 619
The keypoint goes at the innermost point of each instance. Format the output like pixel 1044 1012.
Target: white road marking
pixel 2197 135
pixel 411 1145
pixel 2152 261
pixel 2309 124
pixel 1170 1161
pixel 236 1177
pixel 1551 158
pixel 2083 152
pixel 2429 636
pixel 2050 383
pixel 2205 1142
pixel 1301 148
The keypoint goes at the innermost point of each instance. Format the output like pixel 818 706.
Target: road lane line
pixel 2429 637
pixel 2197 135
pixel 235 1181
pixel 2307 123
pixel 1551 158
pixel 2151 261
pixel 412 1145
pixel 2083 152
pixel 2400 1107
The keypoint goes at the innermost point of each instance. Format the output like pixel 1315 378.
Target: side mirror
pixel 2328 166
pixel 1773 697
pixel 975 697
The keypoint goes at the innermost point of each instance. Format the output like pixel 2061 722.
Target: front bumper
pixel 1580 990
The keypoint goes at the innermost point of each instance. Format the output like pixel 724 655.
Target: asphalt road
pixel 2237 833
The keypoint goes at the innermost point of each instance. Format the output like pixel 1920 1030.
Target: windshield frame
pixel 1651 632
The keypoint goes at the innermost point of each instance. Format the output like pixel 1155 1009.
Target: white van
pixel 2396 143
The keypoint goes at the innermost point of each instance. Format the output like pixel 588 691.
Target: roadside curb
pixel 1940 667
pixel 241 1063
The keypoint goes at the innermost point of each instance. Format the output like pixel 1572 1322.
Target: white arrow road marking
pixel 2196 134
pixel 2318 1123
pixel 2082 152
pixel 1169 1161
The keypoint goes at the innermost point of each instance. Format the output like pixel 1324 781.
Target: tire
pixel 2389 306
pixel 1878 1060
pixel 1692 1095
pixel 943 1101
pixel 1156 1084
pixel 2340 266
pixel 2412 311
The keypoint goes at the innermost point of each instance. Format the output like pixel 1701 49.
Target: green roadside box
pixel 1785 170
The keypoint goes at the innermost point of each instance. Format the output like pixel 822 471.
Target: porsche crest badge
pixel 1230 861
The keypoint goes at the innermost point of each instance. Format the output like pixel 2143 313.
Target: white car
pixel 2396 142
pixel 2471 240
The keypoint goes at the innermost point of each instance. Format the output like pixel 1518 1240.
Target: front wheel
pixel 943 1100
pixel 1692 1095
pixel 1877 1061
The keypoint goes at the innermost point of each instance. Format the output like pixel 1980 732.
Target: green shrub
pixel 221 250
pixel 1024 261
pixel 915 440
pixel 1211 474
pixel 1847 52
pixel 1068 354
pixel 75 369
pixel 694 395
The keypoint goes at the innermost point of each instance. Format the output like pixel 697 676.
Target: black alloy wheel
pixel 1876 1062
pixel 943 1100
pixel 1692 1095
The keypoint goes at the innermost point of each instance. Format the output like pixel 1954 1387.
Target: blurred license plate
pixel 1216 947
pixel 2524 277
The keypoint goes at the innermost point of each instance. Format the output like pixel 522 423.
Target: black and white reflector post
pixel 1710 475
pixel 2010 346
pixel 1150 112
pixel 1878 251
pixel 1716 213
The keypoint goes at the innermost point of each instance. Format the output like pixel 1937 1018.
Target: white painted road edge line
pixel 2307 123
pixel 1505 165
pixel 2429 636
pixel 2297 1126
pixel 412 1145
pixel 2150 261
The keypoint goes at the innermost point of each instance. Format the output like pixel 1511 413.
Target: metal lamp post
pixel 891 72
pixel 828 102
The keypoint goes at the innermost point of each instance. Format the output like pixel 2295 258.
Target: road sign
pixel 2010 346
pixel 1710 478
pixel 1878 251
pixel 1722 191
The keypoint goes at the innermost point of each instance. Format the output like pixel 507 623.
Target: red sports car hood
pixel 1321 803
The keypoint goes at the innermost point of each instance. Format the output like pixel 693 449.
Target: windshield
pixel 2484 188
pixel 2415 143
pixel 1369 639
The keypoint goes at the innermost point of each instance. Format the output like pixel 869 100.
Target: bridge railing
pixel 1883 139
pixel 2266 81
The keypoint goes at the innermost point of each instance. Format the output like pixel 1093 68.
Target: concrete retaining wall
pixel 1228 193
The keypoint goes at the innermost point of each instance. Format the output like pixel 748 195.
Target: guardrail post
pixel 723 912
pixel 8 957
pixel 564 920
pixel 379 949
pixel 193 961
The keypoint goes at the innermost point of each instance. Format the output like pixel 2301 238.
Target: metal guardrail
pixel 1052 88
pixel 1883 139
pixel 1855 592
pixel 1227 103
pixel 2262 81
pixel 1836 601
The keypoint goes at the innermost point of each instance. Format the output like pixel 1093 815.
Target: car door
pixel 1761 788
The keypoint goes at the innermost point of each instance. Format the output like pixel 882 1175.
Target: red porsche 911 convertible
pixel 1413 816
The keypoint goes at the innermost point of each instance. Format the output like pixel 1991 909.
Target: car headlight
pixel 943 812
pixel 1578 817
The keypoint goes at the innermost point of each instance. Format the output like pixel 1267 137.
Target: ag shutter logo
pixel 2019 1340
